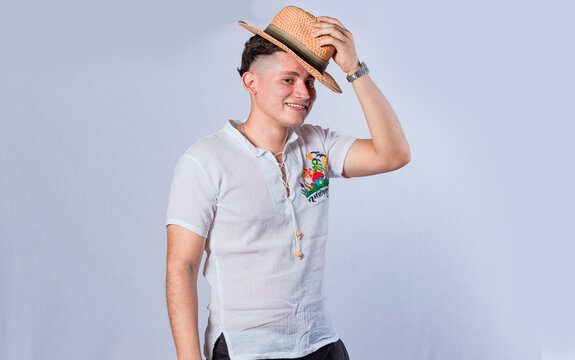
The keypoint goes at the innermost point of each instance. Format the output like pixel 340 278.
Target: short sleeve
pixel 193 195
pixel 337 147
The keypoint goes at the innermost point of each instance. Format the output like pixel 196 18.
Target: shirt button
pixel 299 255
pixel 298 234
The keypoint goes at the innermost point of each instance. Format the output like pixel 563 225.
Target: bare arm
pixel 185 250
pixel 388 148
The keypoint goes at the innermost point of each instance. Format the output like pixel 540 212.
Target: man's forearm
pixel 182 298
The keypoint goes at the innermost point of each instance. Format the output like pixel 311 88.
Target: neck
pixel 265 135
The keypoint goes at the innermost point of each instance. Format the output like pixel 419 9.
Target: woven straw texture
pixel 296 22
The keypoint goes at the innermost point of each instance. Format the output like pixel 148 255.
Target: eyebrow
pixel 294 73
pixel 290 73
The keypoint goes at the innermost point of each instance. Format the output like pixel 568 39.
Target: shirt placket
pixel 296 233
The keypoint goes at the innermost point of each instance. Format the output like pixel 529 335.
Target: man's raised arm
pixel 388 148
pixel 184 256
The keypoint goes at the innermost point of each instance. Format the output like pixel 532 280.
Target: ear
pixel 250 81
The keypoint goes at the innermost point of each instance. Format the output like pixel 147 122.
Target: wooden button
pixel 299 254
pixel 298 234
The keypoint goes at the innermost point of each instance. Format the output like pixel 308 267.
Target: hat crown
pixel 297 23
pixel 292 32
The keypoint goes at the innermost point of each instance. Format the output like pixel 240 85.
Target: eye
pixel 287 80
pixel 310 84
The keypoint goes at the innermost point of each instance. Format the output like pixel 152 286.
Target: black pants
pixel 333 351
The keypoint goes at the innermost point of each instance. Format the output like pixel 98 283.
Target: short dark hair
pixel 255 47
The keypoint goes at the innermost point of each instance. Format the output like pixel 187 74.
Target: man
pixel 254 196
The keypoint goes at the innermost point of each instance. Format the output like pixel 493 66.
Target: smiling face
pixel 283 91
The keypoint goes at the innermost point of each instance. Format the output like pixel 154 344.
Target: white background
pixel 465 253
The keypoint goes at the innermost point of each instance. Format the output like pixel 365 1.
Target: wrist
pixel 354 69
pixel 363 70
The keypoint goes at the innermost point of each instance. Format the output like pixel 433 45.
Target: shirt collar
pixel 231 129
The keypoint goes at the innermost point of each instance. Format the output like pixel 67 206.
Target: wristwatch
pixel 362 71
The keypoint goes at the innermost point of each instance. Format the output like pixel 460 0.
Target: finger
pixel 327 19
pixel 336 33
pixel 330 20
pixel 328 23
pixel 330 40
pixel 330 29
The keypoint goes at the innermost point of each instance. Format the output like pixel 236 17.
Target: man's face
pixel 285 90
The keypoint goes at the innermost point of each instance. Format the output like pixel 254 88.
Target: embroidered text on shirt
pixel 314 179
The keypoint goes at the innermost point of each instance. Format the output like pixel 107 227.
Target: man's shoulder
pixel 210 145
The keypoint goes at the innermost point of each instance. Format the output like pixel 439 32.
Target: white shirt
pixel 267 302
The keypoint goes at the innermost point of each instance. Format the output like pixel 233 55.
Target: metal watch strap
pixel 363 70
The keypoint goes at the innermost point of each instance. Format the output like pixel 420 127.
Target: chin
pixel 298 122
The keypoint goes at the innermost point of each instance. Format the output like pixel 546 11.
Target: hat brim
pixel 324 78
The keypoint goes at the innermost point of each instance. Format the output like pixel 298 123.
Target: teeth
pixel 296 106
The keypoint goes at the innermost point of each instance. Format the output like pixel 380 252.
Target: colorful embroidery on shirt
pixel 314 179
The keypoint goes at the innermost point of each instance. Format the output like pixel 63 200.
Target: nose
pixel 302 91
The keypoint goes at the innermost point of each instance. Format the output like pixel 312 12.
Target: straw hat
pixel 291 30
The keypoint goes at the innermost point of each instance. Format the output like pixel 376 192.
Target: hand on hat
pixel 341 38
